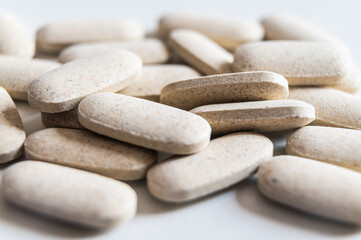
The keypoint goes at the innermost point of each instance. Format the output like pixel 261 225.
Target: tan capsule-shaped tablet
pixel 69 194
pixel 288 27
pixel 67 119
pixel 312 186
pixel 338 146
pixel 265 116
pixel 15 38
pixel 226 161
pixel 225 88
pixel 351 83
pixel 300 62
pixel 12 134
pixel 63 88
pixel 17 73
pixel 334 108
pixel 53 37
pixel 144 123
pixel 155 77
pixel 229 32
pixel 89 151
pixel 150 50
pixel 200 52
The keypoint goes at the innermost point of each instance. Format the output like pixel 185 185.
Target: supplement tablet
pixel 89 151
pixel 338 146
pixel 226 161
pixel 17 73
pixel 288 27
pixel 63 88
pixel 229 32
pixel 144 123
pixel 334 108
pixel 200 52
pixel 69 194
pixel 53 37
pixel 311 186
pixel 300 62
pixel 265 116
pixel 225 88
pixel 12 131
pixel 150 50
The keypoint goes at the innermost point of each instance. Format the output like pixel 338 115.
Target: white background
pixel 236 213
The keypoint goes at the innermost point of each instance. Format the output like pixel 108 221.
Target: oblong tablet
pixel 150 50
pixel 155 77
pixel 301 62
pixel 226 161
pixel 265 116
pixel 12 131
pixel 328 144
pixel 200 52
pixel 351 83
pixel 334 108
pixel 144 123
pixel 230 32
pixel 17 73
pixel 311 186
pixel 15 38
pixel 69 194
pixel 53 37
pixel 225 88
pixel 67 119
pixel 62 89
pixel 288 27
pixel 89 151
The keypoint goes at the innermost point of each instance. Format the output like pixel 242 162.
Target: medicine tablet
pixel 63 88
pixel 311 186
pixel 328 144
pixel 12 131
pixel 89 151
pixel 200 52
pixel 17 73
pixel 225 88
pixel 144 123
pixel 288 27
pixel 69 194
pixel 15 38
pixel 53 37
pixel 265 116
pixel 226 161
pixel 300 62
pixel 229 32
pixel 150 50
pixel 334 108
pixel 67 119
pixel 155 77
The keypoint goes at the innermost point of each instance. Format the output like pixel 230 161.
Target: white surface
pixel 236 213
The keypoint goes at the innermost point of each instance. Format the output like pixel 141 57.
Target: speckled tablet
pixel 69 194
pixel 226 161
pixel 89 151
pixel 264 116
pixel 312 186
pixel 144 123
pixel 300 62
pixel 225 88
pixel 63 88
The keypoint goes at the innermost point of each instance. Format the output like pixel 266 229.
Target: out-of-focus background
pixel 239 212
